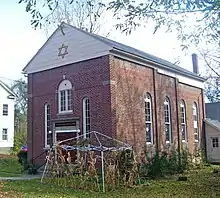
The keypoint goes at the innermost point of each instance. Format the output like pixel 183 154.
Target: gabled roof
pixel 213 123
pixel 125 48
pixel 118 48
pixel 6 88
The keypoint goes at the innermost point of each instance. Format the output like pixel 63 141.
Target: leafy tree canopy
pixel 19 87
pixel 171 14
pixel 195 20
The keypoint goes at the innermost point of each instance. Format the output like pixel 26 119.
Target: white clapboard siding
pixel 6 122
pixel 81 46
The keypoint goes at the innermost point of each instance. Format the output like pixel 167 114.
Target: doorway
pixel 64 130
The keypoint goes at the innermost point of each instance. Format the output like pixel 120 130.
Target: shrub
pixel 20 139
pixel 158 166
pixel 127 167
pixel 162 164
pixel 22 159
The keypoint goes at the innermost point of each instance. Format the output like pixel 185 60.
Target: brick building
pixel 79 80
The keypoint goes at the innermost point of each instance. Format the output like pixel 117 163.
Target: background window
pixel 148 118
pixel 86 116
pixel 195 122
pixel 167 119
pixel 47 121
pixel 5 109
pixel 183 120
pixel 4 134
pixel 215 143
pixel 65 96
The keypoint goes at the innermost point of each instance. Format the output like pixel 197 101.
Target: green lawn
pixel 9 166
pixel 200 183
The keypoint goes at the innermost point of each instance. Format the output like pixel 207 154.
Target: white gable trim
pixel 212 125
pixel 47 67
pixel 7 89
pixel 24 70
pixel 183 79
pixel 80 47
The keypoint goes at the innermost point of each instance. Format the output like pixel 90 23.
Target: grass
pixel 200 183
pixel 9 166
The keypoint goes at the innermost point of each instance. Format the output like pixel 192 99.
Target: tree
pixel 88 15
pixel 84 14
pixel 212 63
pixel 170 14
pixel 173 15
pixel 213 90
pixel 19 87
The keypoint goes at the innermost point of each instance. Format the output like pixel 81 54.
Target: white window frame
pixel 3 130
pixel 46 131
pixel 195 122
pixel 85 117
pixel 183 120
pixel 66 87
pixel 5 109
pixel 148 100
pixel 167 103
pixel 215 142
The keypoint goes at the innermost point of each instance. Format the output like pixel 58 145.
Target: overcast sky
pixel 19 41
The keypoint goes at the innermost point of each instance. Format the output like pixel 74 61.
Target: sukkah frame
pixel 89 147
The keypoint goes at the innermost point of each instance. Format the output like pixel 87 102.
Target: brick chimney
pixel 195 63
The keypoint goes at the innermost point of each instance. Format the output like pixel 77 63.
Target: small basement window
pixel 215 143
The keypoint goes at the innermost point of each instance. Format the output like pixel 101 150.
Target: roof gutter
pixel 146 62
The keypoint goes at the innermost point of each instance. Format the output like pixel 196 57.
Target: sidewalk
pixel 22 177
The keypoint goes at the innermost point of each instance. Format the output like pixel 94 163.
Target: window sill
pixel 47 148
pixel 65 112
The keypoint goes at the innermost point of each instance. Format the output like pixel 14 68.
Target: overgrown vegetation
pixel 120 170
pixel 200 183
pixel 163 164
pixel 20 139
pixel 19 87
pixel 9 166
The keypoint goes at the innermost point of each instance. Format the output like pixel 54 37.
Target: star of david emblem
pixel 63 50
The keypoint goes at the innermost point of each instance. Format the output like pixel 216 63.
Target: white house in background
pixel 212 130
pixel 7 99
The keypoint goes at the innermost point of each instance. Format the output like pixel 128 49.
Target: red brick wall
pixel 131 82
pixel 190 95
pixel 116 89
pixel 88 79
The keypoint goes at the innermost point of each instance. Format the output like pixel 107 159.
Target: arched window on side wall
pixel 86 116
pixel 183 120
pixel 47 125
pixel 167 119
pixel 195 122
pixel 148 118
pixel 65 97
